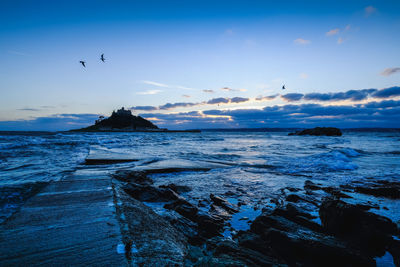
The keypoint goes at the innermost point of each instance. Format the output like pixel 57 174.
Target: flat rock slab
pixel 69 223
pixel 177 165
pixel 98 155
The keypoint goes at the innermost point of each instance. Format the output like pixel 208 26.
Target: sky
pixel 200 64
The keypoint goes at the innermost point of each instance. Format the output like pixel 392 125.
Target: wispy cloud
pixel 333 32
pixel 29 109
pixel 187 96
pixel 18 53
pixel 348 27
pixel 155 84
pixel 340 40
pixel 390 71
pixel 369 10
pixel 229 32
pixel 149 92
pixel 266 98
pixel 301 41
pixel 303 75
pixel 233 90
pixel 208 91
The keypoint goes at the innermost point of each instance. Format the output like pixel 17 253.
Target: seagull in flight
pixel 83 63
pixel 102 58
pixel 283 87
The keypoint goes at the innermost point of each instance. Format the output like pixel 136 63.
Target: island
pixel 123 121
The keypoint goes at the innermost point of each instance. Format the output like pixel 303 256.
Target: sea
pixel 258 164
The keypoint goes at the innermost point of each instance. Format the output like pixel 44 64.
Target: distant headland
pixel 123 121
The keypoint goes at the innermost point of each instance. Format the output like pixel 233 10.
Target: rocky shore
pixel 309 226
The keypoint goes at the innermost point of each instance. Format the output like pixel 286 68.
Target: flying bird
pixel 83 63
pixel 283 87
pixel 102 58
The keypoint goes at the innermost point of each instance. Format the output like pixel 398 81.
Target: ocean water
pixel 258 164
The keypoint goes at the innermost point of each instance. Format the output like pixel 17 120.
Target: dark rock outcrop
pixel 385 189
pixel 318 131
pixel 288 235
pixel 369 231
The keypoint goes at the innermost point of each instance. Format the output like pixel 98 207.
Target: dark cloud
pixel 219 100
pixel 270 97
pixel 292 97
pixel 29 109
pixel 387 92
pixel 177 105
pixel 208 91
pixel 354 95
pixel 238 99
pixel 58 122
pixel 383 104
pixel 145 108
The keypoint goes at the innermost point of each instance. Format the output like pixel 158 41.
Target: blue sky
pixel 216 59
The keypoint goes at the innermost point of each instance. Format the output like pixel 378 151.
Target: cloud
pixel 387 92
pixel 303 75
pixel 292 97
pixel 374 114
pixel 238 99
pixel 56 122
pixel 233 90
pixel 219 100
pixel 340 40
pixel 348 27
pixel 18 53
pixel 177 105
pixel 354 95
pixel 229 32
pixel 383 104
pixel 390 71
pixel 333 32
pixel 208 91
pixel 155 84
pixel 29 109
pixel 263 98
pixel 149 92
pixel 369 10
pixel 187 96
pixel 146 108
pixel 301 41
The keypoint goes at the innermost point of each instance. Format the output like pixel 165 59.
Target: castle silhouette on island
pixel 122 120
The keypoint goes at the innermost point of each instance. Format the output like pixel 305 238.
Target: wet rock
pixel 209 225
pixel 185 226
pixel 367 230
pixel 179 189
pixel 335 192
pixel 293 198
pixel 308 185
pixel 384 189
pixel 312 250
pixel 223 204
pixel 318 131
pixel 229 253
pixel 220 212
pixel 154 241
pixel 136 177
pixel 148 193
pixel 184 208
